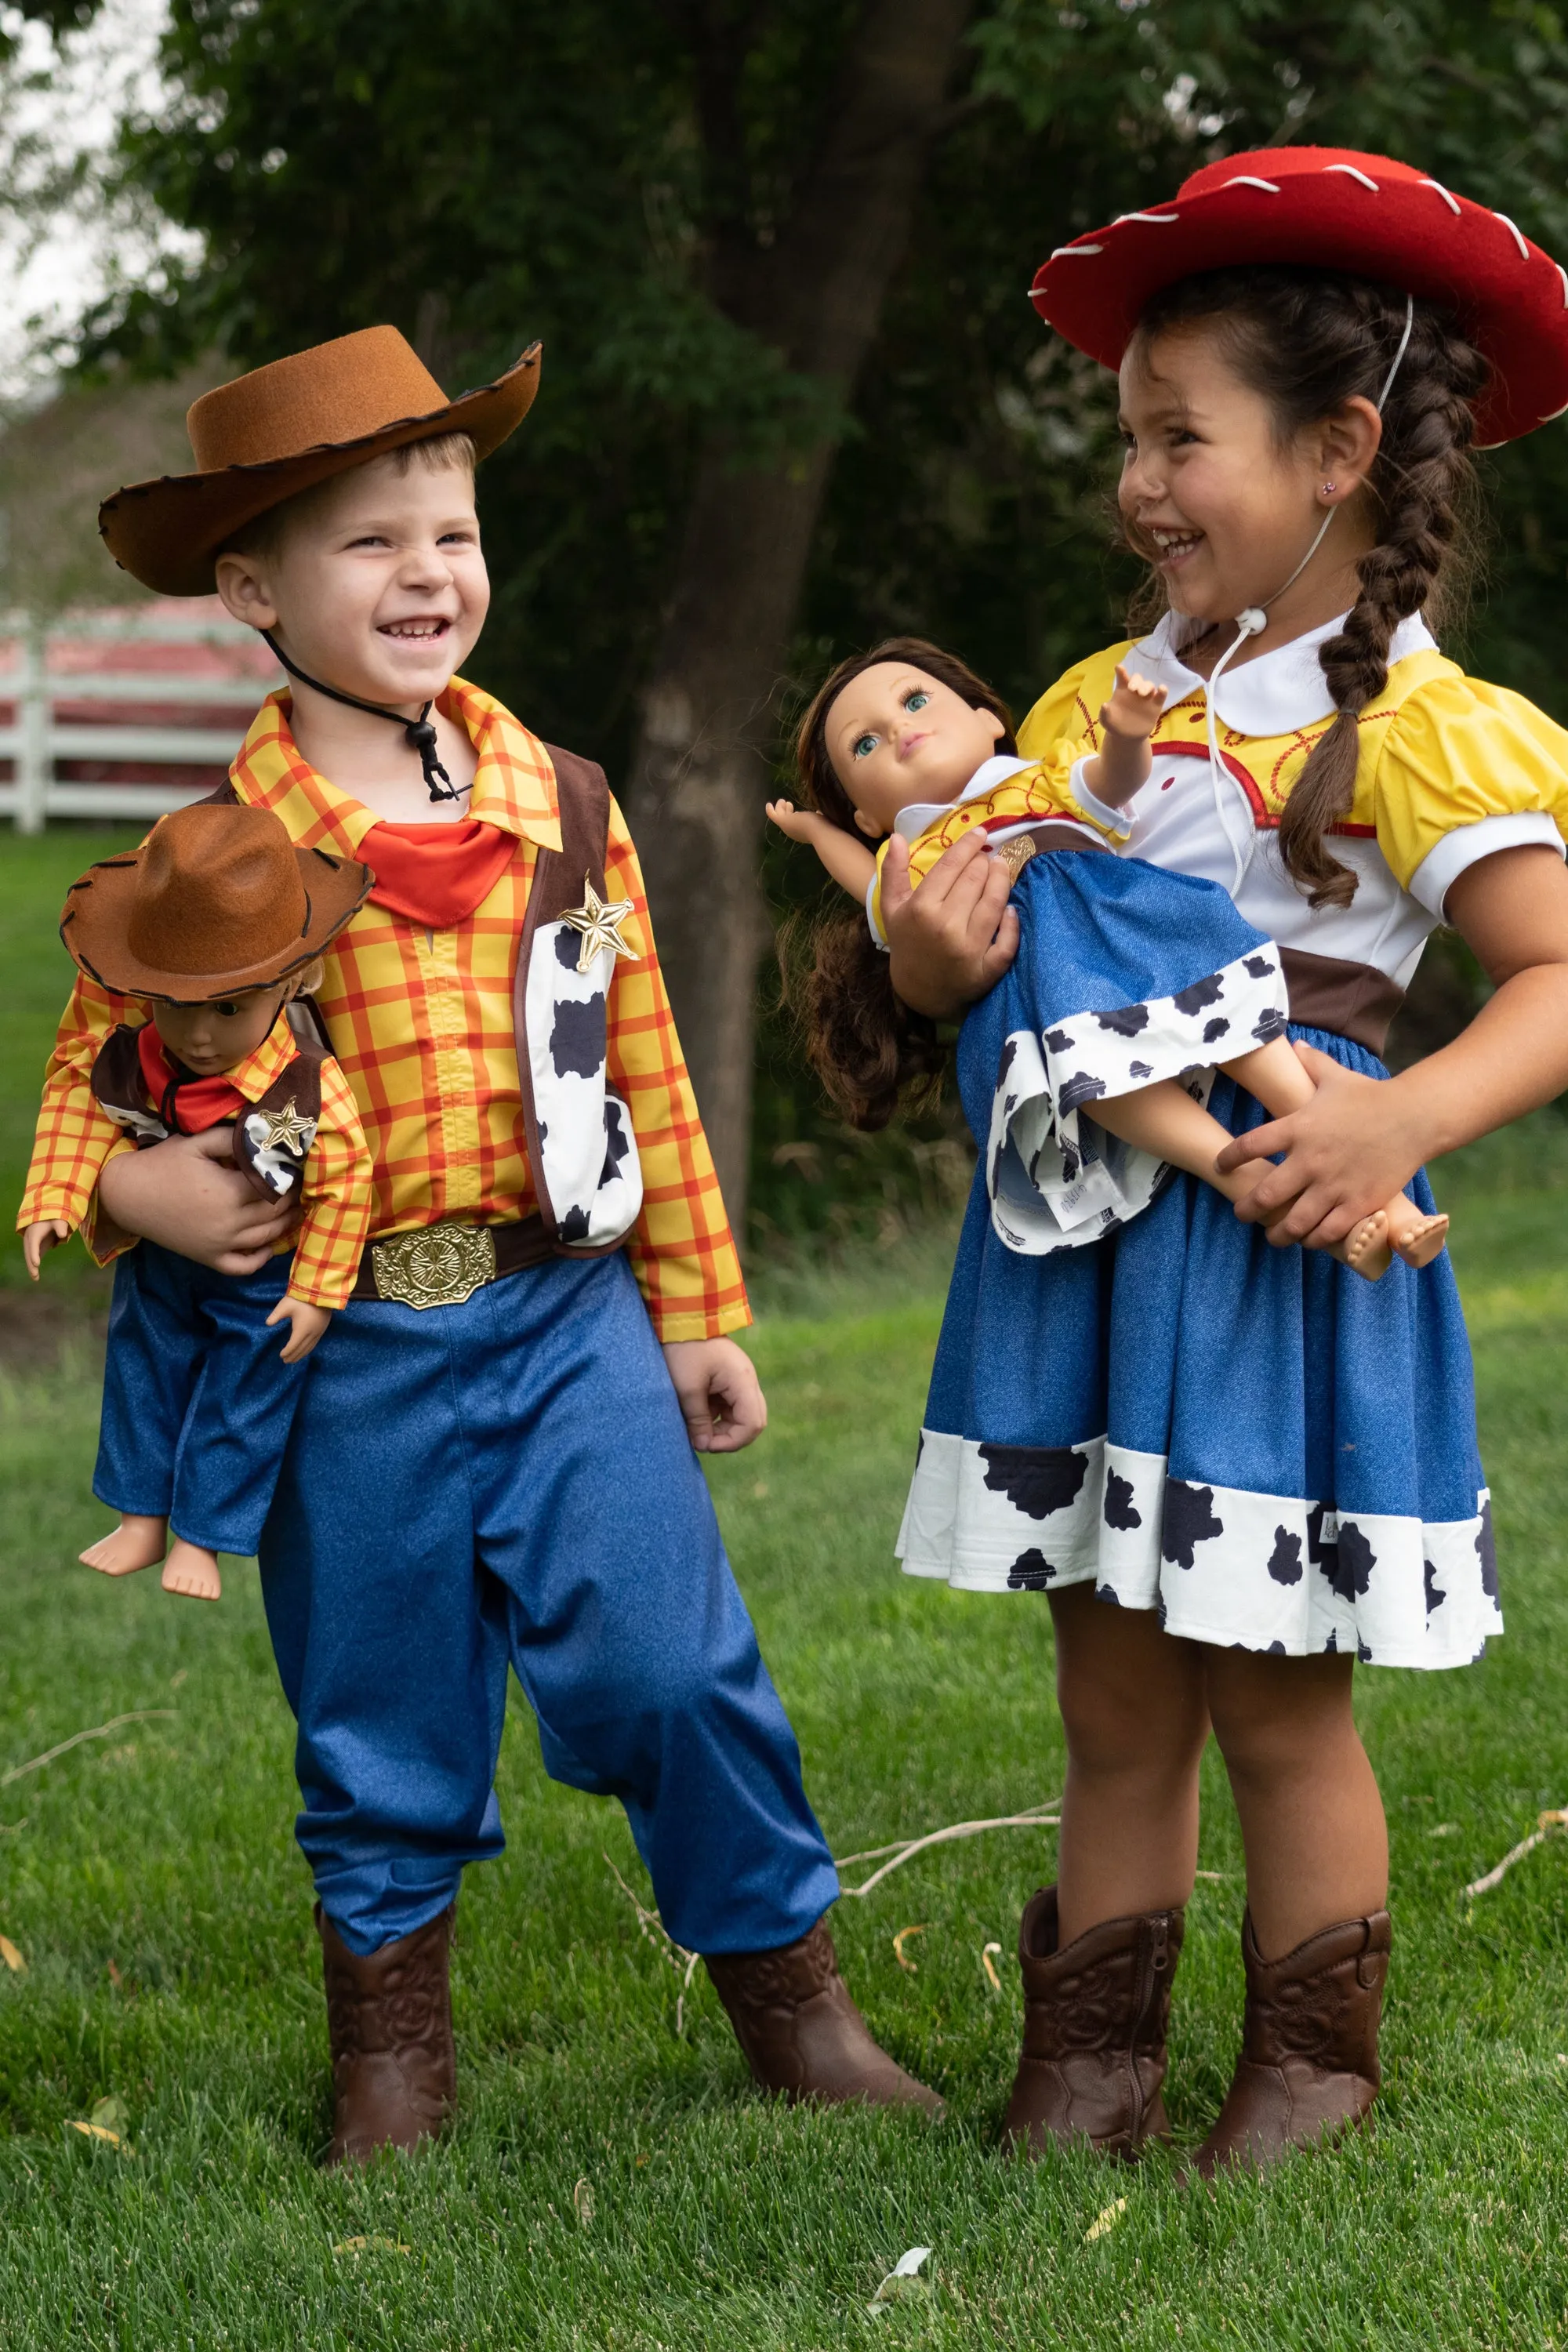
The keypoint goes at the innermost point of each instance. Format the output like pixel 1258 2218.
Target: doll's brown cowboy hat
pixel 285 427
pixel 216 902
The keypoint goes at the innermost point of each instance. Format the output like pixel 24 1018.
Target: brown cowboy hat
pixel 284 428
pixel 216 902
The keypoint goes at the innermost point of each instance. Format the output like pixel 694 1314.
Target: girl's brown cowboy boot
pixel 1308 2068
pixel 389 2019
pixel 801 2034
pixel 1095 2021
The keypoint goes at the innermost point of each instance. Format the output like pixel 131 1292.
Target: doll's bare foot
pixel 1365 1250
pixel 1414 1238
pixel 136 1542
pixel 192 1572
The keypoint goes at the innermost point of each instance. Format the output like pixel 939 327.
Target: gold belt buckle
pixel 435 1266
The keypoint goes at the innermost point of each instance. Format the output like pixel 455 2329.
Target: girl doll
pixel 1236 1469
pixel 1116 1000
pixel 217 923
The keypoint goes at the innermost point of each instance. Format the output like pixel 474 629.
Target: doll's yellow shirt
pixel 1440 752
pixel 1036 789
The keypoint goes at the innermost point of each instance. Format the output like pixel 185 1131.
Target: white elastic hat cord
pixel 1248 623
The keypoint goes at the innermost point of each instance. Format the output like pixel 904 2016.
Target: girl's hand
pixel 1347 1153
pixel 801 824
pixel 308 1324
pixel 1134 705
pixel 39 1238
pixel 720 1395
pixel 188 1196
pixel 955 937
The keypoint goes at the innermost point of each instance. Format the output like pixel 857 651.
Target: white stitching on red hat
pixel 1523 248
pixel 1074 248
pixel 1452 202
pixel 1352 173
pixel 1146 216
pixel 1248 179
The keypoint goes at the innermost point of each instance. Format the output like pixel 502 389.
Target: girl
pixel 1132 978
pixel 1235 1468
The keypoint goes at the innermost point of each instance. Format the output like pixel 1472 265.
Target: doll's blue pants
pixel 508 1483
pixel 198 1402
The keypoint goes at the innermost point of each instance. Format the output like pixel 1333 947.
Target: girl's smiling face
pixel 896 735
pixel 1225 509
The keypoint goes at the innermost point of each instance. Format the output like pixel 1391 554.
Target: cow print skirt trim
pixel 1268 1572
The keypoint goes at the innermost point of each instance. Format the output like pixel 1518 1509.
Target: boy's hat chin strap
pixel 1248 623
pixel 420 733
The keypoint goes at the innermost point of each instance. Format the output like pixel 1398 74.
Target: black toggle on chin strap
pixel 419 732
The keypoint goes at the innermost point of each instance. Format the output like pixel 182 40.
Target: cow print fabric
pixel 588 1158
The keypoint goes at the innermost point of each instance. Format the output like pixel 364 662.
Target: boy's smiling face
pixel 373 582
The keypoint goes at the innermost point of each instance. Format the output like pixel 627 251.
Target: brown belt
pixel 440 1265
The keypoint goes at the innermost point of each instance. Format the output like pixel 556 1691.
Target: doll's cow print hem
pixel 1267 1572
pixel 1056 1178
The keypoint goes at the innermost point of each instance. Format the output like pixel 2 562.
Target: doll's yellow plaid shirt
pixel 421 1024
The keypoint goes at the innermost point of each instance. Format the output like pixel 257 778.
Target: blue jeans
pixel 508 1483
pixel 198 1402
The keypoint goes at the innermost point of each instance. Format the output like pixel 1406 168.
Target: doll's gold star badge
pixel 284 1129
pixel 599 920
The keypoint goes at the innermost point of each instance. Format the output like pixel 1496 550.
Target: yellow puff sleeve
pixel 1466 769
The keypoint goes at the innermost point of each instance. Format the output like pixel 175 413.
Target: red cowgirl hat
pixel 1331 208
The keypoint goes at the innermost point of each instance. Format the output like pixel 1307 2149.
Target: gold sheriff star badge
pixel 599 920
pixel 284 1129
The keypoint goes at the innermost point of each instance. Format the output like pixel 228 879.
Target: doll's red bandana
pixel 187 1106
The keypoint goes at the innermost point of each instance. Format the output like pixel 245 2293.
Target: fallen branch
pixel 904 1850
pixel 98 1731
pixel 1552 1819
pixel 651 1925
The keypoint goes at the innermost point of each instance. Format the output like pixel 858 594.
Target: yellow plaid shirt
pixel 421 1023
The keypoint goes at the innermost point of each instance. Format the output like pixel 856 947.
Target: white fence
pixel 56 665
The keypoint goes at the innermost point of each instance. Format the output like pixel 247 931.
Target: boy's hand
pixel 719 1393
pixel 1134 705
pixel 187 1196
pixel 801 824
pixel 308 1323
pixel 39 1238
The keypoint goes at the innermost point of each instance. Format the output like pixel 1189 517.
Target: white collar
pixel 1275 692
pixel 913 820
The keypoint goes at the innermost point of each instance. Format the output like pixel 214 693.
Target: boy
pixel 501 1443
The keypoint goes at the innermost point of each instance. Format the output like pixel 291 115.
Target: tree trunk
pixel 699 774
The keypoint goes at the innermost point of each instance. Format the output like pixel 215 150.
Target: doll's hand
pixel 188 1196
pixel 308 1323
pixel 953 938
pixel 719 1393
pixel 1134 705
pixel 1347 1153
pixel 801 824
pixel 39 1238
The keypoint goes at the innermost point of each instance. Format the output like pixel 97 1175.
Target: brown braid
pixel 866 1047
pixel 1308 341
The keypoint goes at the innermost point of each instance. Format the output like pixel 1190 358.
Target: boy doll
pixel 489 1466
pixel 217 924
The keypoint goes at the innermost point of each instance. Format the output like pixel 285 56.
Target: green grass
pixel 151 1882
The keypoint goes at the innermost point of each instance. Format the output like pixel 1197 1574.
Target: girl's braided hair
pixel 867 1047
pixel 1309 340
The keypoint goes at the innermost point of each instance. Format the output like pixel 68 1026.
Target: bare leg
pixel 1163 1120
pixel 1311 1818
pixel 136 1542
pixel 1131 1702
pixel 1276 1076
pixel 192 1569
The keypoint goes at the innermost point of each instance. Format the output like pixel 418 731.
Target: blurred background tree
pixel 778 251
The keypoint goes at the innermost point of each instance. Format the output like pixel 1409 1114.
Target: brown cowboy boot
pixel 801 2034
pixel 389 2019
pixel 1308 2068
pixel 1095 2021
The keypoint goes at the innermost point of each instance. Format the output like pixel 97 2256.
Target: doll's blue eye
pixel 917 700
pixel 864 746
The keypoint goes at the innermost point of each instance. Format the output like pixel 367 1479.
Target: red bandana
pixel 435 875
pixel 189 1105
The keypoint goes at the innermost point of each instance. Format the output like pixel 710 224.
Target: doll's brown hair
pixel 869 1050
pixel 1307 341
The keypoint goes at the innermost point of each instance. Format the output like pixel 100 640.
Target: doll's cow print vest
pixel 274 1168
